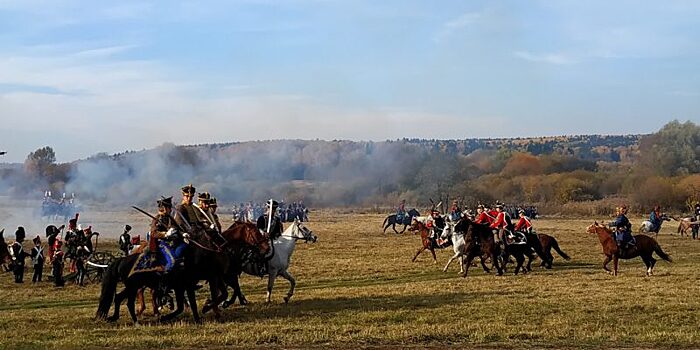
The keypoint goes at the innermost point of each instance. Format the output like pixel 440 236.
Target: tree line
pixel 584 174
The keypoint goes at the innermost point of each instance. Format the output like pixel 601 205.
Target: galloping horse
pixel 458 245
pixel 644 248
pixel 426 241
pixel 279 263
pixel 480 242
pixel 648 227
pixel 391 220
pixel 548 243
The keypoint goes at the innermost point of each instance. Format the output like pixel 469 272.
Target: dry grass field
pixel 359 288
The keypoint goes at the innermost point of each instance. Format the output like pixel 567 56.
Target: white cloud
pixel 550 58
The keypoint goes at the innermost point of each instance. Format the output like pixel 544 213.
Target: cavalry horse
pixel 426 242
pixel 480 242
pixel 458 245
pixel 648 227
pixel 5 257
pixel 391 220
pixel 644 248
pixel 279 263
pixel 548 243
pixel 201 262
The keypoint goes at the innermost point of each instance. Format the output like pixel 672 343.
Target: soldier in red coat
pixel 482 216
pixel 524 224
pixel 502 223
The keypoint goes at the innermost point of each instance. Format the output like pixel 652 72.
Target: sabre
pixel 154 218
pixel 206 216
pixel 269 216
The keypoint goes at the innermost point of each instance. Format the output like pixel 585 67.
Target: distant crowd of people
pixel 287 212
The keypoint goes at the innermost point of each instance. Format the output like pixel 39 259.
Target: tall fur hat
pixel 20 234
pixel 72 223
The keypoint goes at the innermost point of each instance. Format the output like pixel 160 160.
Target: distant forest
pixel 585 174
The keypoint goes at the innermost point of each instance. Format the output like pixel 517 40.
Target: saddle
pixel 515 238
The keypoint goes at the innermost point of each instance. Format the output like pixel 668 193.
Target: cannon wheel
pixel 97 265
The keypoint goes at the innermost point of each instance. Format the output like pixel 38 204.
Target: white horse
pixel 648 227
pixel 279 263
pixel 458 244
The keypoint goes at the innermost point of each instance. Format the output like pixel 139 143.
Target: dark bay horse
pixel 480 242
pixel 5 257
pixel 644 248
pixel 548 243
pixel 407 220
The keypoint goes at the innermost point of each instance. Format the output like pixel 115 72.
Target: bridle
pixel 305 232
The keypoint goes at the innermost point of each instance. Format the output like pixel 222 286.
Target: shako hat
pixel 37 240
pixel 164 203
pixel 20 234
pixel 189 189
pixel 204 196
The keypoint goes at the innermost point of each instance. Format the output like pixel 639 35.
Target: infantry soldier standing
pixel 57 264
pixel 18 255
pixel 37 260
pixel 51 236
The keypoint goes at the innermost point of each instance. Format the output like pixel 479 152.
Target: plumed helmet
pixel 189 190
pixel 521 211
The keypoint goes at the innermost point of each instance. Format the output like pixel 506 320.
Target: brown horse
pixel 5 257
pixel 644 248
pixel 480 242
pixel 426 242
pixel 548 243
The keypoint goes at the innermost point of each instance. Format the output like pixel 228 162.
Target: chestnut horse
pixel 644 248
pixel 426 242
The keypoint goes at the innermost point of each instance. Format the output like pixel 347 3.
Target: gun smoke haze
pixel 322 173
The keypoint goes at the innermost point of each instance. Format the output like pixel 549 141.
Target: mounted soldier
pixel 623 228
pixel 186 213
pixel 213 205
pixel 165 227
pixel 502 224
pixel 482 216
pixel 269 222
pixel 18 255
pixel 125 244
pixel 37 255
pixel 455 212
pixel 524 224
pixel 401 212
pixel 655 219
pixel 436 223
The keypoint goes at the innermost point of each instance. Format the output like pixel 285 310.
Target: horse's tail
pixel 555 246
pixel 661 253
pixel 385 220
pixel 109 289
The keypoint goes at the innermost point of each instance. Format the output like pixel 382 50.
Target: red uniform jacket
pixel 524 224
pixel 500 221
pixel 484 218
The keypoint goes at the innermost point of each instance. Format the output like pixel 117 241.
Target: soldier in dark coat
pixel 186 213
pixel 52 233
pixel 213 205
pixel 125 241
pixel 57 265
pixel 18 255
pixel 37 259
pixel 276 227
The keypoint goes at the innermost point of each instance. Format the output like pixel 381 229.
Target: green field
pixel 359 288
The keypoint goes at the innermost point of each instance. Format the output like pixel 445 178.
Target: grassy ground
pixel 357 287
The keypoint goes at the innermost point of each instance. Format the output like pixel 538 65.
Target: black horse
pixel 531 248
pixel 200 263
pixel 391 220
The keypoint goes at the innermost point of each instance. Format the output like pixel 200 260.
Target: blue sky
pixel 87 77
